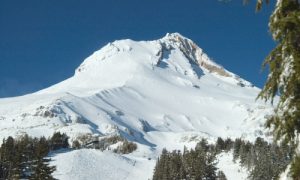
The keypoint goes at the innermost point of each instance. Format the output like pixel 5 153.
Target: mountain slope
pixel 161 93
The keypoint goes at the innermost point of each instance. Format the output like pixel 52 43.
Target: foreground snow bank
pixel 94 164
pixel 233 171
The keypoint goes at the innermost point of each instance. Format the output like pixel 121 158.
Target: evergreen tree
pixel 221 176
pixel 203 144
pixel 9 152
pixel 263 168
pixel 236 149
pixel 157 170
pixel 284 63
pixel 175 165
pixel 284 71
pixel 295 168
pixel 264 160
pixel 24 158
pixel 165 166
pixel 198 163
pixel 26 154
pixel 244 152
pixel 42 170
pixel 220 145
pixel 40 165
pixel 58 141
pixel 284 76
pixel 161 170
pixel 228 143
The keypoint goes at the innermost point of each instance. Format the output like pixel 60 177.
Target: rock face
pixel 194 53
pixel 161 93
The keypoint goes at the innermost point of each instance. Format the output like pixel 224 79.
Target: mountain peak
pixel 169 42
pixel 175 36
pixel 194 53
pixel 122 61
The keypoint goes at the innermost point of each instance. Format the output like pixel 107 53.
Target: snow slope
pixel 94 165
pixel 161 93
pixel 233 171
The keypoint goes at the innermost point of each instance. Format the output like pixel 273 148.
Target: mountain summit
pixel 121 61
pixel 159 50
pixel 161 93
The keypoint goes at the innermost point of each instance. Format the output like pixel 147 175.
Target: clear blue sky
pixel 43 41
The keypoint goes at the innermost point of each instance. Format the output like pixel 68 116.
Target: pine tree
pixel 221 176
pixel 58 141
pixel 284 76
pixel 198 163
pixel 161 170
pixel 27 152
pixel 9 157
pixel 244 152
pixel 175 165
pixel 40 165
pixel 236 149
pixel 42 148
pixel 24 158
pixel 228 144
pixel 263 168
pixel 42 170
pixel 295 168
pixel 284 63
pixel 220 145
pixel 157 170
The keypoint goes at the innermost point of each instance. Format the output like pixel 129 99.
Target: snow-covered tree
pixel 284 76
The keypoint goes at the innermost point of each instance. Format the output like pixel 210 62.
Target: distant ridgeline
pixel 263 160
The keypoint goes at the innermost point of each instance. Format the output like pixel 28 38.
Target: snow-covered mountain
pixel 161 93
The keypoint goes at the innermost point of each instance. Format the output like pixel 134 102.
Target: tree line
pixel 26 157
pixel 197 163
pixel 263 160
